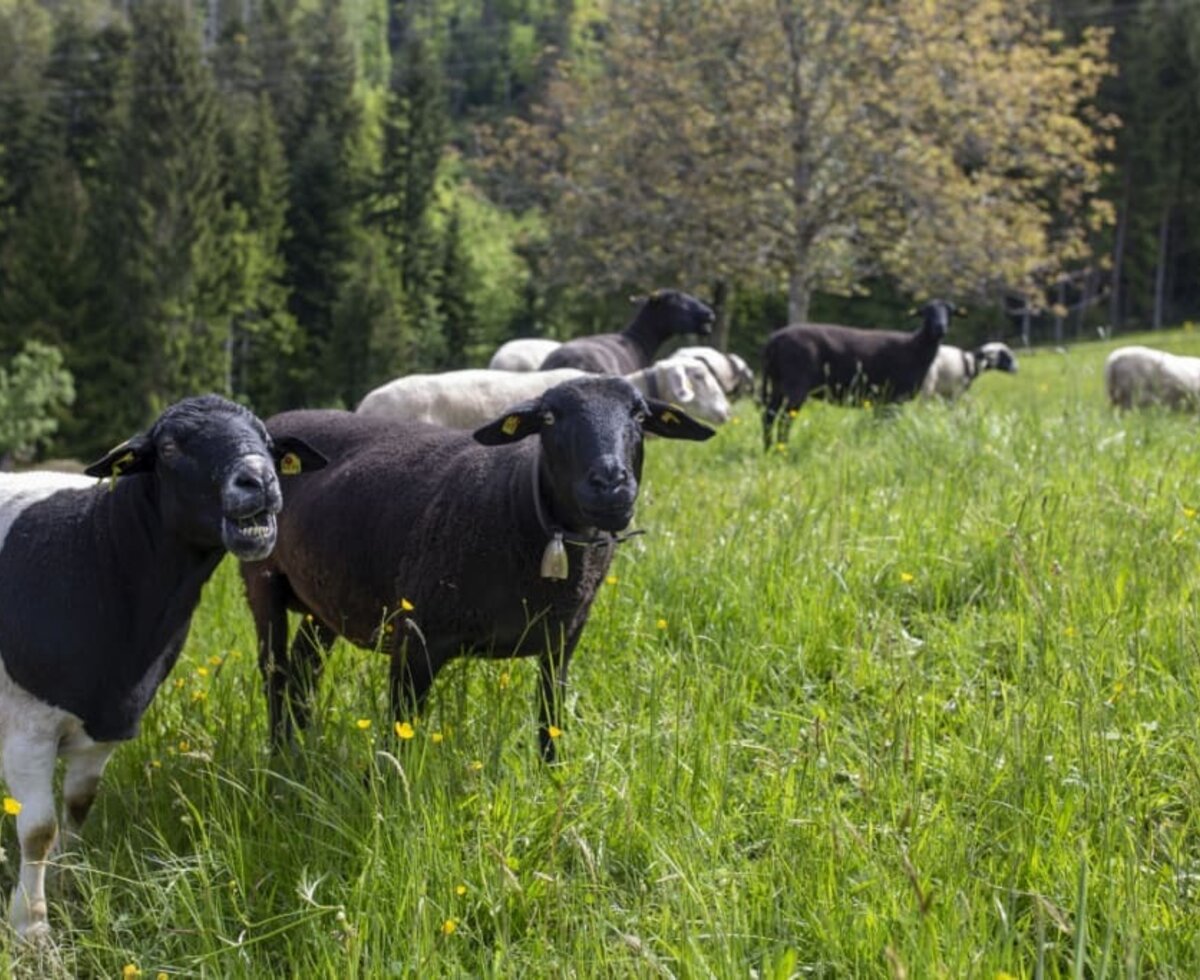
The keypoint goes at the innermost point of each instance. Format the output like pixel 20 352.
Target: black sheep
pixel 99 584
pixel 422 542
pixel 664 314
pixel 846 365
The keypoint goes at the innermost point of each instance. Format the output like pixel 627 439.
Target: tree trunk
pixel 720 339
pixel 799 296
pixel 1114 309
pixel 1059 311
pixel 1160 272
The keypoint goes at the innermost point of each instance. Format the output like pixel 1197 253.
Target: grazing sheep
pixel 523 354
pixel 1136 377
pixel 460 533
pixel 665 313
pixel 730 370
pixel 954 369
pixel 466 399
pixel 99 585
pixel 846 365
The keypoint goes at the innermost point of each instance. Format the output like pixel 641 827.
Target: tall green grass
pixel 917 696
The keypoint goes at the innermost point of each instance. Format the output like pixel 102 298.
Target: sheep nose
pixel 608 476
pixel 252 486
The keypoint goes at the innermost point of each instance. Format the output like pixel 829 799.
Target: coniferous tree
pixel 325 206
pixel 415 130
pixel 264 333
pixel 454 294
pixel 171 281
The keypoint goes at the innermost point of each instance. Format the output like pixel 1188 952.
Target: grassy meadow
pixel 915 697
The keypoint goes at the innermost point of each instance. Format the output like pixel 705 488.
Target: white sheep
pixel 953 369
pixel 523 354
pixel 1139 376
pixel 731 371
pixel 467 399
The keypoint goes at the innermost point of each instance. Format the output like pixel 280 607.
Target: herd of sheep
pixel 469 513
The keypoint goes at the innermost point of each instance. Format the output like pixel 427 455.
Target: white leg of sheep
pixel 29 772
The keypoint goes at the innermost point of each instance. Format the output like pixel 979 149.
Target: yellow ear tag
pixel 290 464
pixel 116 469
pixel 511 424
pixel 669 417
pixel 554 559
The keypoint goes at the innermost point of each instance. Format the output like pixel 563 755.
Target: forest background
pixel 291 201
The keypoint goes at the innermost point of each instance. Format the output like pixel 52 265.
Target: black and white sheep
pixel 665 313
pixel 954 369
pixel 469 398
pixel 1137 377
pixel 846 365
pixel 730 370
pixel 461 534
pixel 99 584
pixel 523 354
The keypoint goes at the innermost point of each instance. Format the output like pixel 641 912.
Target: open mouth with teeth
pixel 251 536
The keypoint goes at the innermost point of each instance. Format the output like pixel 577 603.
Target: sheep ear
pixel 673 423
pixel 293 455
pixel 135 455
pixel 513 426
pixel 680 384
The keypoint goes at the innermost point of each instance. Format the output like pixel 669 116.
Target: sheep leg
pixel 267 593
pixel 552 694
pixel 411 674
pixel 293 682
pixel 85 762
pixel 29 773
pixel 771 413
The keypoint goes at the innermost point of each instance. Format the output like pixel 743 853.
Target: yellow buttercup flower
pixel 1189 512
pixel 460 890
pixel 202 671
pixel 130 970
pixel 906 577
pixel 404 730
pixel 661 624
pixel 554 731
pixel 610 580
pixel 406 606
pixel 449 926
pixel 505 680
pixel 12 807
pixel 363 723
pixel 475 765
pixel 215 661
pixel 436 737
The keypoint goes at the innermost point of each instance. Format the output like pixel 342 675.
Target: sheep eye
pixel 547 418
pixel 639 416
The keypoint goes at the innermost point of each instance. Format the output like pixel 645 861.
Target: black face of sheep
pixel 215 468
pixel 680 312
pixel 998 357
pixel 591 433
pixel 935 316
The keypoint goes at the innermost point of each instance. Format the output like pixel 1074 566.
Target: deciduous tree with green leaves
pixel 33 387
pixel 819 142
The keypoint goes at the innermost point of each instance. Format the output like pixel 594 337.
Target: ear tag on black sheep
pixel 554 558
pixel 117 466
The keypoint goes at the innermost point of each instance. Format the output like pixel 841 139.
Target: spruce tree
pixel 414 134
pixel 172 278
pixel 454 300
pixel 324 204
